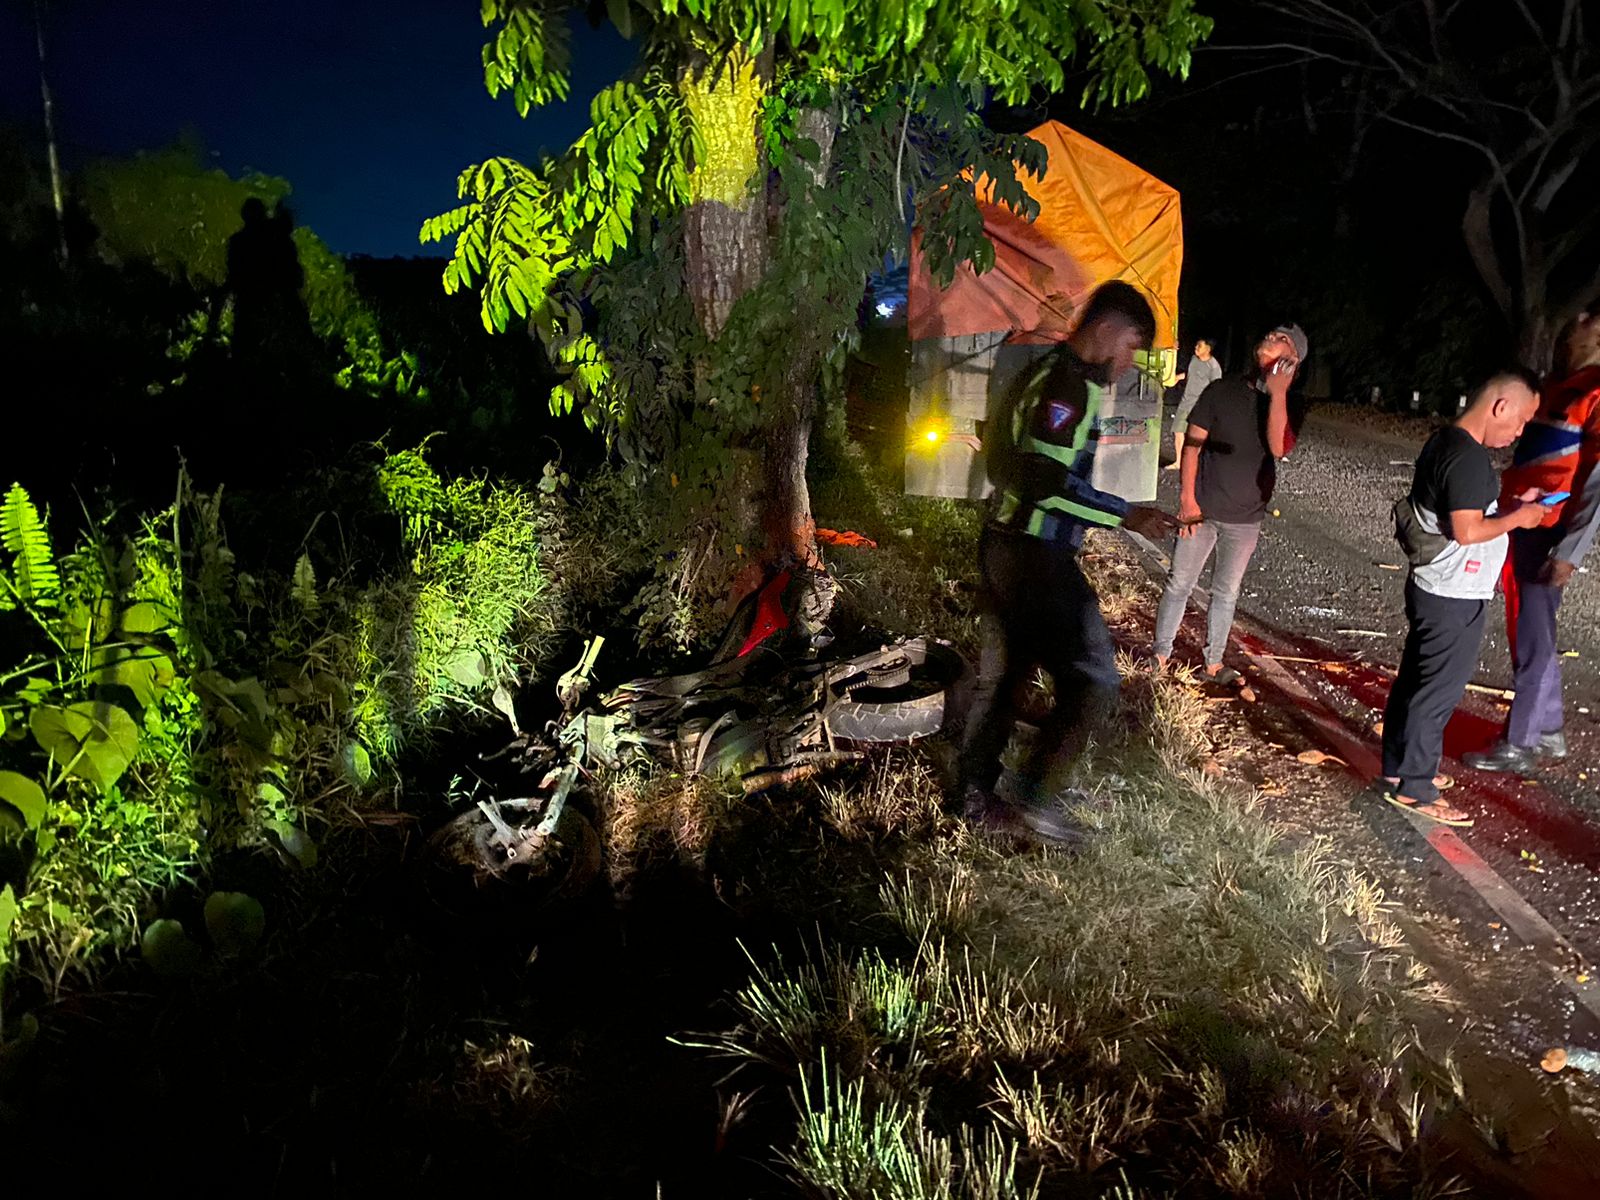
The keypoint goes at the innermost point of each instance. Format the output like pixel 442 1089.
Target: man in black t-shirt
pixel 1238 430
pixel 1453 499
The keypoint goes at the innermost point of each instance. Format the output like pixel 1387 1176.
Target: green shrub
pixel 166 706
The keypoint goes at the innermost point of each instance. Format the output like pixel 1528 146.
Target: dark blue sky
pixel 369 108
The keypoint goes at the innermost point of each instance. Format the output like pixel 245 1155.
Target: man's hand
pixel 1527 516
pixel 1189 516
pixel 1280 375
pixel 1557 572
pixel 1147 522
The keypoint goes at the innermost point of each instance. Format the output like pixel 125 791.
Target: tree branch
pixel 1477 231
pixel 1533 24
pixel 1445 135
pixel 1569 243
pixel 1366 32
pixel 1308 52
pixel 1432 12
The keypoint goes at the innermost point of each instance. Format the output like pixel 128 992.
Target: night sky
pixel 369 108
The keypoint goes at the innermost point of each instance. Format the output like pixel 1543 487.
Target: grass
pixel 923 575
pixel 1186 1005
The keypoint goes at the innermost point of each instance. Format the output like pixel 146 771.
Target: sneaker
pixel 976 802
pixel 1051 823
pixel 986 812
pixel 1553 745
pixel 1504 758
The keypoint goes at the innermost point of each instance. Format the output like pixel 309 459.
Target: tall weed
pixel 163 706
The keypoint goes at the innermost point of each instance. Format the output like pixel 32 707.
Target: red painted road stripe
pixel 1557 955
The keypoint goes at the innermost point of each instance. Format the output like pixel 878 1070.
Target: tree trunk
pixel 1536 341
pixel 725 247
pixel 787 520
pixel 725 227
pixel 727 252
pixel 56 190
pixel 1516 274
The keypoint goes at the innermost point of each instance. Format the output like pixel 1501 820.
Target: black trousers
pixel 1039 612
pixel 1440 656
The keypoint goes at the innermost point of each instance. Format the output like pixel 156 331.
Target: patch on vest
pixel 1058 414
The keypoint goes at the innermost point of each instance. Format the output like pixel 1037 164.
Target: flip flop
pixel 1435 810
pixel 1443 782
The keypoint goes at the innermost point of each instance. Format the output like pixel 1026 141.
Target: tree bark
pixel 56 190
pixel 790 528
pixel 727 248
pixel 725 231
pixel 1517 276
pixel 1536 341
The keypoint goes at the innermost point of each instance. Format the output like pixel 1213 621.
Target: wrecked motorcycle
pixel 755 721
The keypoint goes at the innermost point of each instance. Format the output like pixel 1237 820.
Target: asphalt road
pixel 1323 585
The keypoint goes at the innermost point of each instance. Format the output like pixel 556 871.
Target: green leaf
pixel 296 843
pixel 86 623
pixel 467 668
pixel 23 534
pixel 356 764
pixel 169 951
pixel 146 617
pixel 24 795
pixel 305 582
pixel 235 921
pixel 94 741
pixel 270 794
pixel 9 910
pixel 143 670
pixel 621 14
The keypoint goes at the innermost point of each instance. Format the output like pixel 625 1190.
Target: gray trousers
pixel 1536 710
pixel 1234 545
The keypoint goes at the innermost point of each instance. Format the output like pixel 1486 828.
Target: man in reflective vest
pixel 1039 609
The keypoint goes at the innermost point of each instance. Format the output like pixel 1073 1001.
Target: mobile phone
pixel 1283 364
pixel 1553 498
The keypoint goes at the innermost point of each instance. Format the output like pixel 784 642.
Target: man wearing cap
pixel 1238 430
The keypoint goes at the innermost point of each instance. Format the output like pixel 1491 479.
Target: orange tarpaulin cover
pixel 1100 218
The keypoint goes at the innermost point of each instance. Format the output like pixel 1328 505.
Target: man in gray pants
pixel 1238 430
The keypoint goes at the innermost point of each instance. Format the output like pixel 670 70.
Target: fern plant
pixel 32 580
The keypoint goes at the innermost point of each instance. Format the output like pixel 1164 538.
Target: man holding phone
pixel 1559 454
pixel 1239 429
pixel 1453 497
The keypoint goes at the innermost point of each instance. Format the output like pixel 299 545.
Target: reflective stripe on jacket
pixel 1055 428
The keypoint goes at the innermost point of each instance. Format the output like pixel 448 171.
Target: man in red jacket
pixel 1559 452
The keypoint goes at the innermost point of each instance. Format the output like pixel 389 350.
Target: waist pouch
pixel 1419 545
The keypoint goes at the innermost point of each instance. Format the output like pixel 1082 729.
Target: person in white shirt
pixel 1455 563
pixel 1203 371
